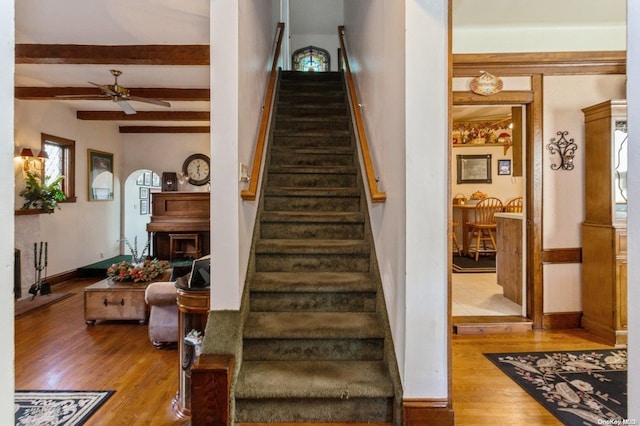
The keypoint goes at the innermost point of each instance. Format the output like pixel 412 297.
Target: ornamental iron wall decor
pixel 566 149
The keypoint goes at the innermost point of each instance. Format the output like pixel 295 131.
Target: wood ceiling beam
pixel 188 54
pixel 91 93
pixel 165 129
pixel 547 63
pixel 144 116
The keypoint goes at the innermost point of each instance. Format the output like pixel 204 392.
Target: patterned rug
pixel 578 387
pixel 466 264
pixel 69 408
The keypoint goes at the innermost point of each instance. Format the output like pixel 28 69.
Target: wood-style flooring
pixel 55 349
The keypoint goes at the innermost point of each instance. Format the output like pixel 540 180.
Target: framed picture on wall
pixel 144 193
pixel 147 178
pixel 473 168
pixel 504 167
pixel 100 175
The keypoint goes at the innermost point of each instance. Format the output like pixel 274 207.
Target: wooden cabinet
pixel 509 256
pixel 604 231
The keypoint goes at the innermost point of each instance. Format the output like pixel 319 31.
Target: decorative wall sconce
pixel 32 163
pixel 565 149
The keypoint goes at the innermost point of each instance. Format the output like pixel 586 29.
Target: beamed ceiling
pixel 160 46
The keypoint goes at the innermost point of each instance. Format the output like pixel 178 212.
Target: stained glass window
pixel 311 59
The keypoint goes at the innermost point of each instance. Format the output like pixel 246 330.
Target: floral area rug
pixel 69 408
pixel 578 387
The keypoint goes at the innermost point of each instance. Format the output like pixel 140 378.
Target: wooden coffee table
pixel 110 300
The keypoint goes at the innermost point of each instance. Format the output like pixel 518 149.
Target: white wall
pixel 6 210
pixel 315 23
pixel 391 48
pixel 67 230
pixel 563 191
pixel 633 286
pixel 241 37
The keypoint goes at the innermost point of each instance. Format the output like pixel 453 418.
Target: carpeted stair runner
pixel 316 341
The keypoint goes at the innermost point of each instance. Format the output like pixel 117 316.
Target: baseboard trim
pixel 63 276
pixel 562 255
pixel 427 412
pixel 561 320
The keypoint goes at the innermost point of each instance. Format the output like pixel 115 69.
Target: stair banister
pixel 376 195
pixel 249 194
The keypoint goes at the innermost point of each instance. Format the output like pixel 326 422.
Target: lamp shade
pixel 43 155
pixel 26 152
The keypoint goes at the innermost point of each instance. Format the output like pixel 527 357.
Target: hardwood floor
pixel 55 349
pixel 482 395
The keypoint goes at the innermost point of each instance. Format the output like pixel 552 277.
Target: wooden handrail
pixel 376 195
pixel 249 194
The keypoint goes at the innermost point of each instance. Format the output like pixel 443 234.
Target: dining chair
pixel 483 227
pixel 514 205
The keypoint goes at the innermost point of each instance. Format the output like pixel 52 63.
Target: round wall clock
pixel 196 168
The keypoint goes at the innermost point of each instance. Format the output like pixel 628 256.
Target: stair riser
pixel 285 111
pixel 330 123
pixel 311 180
pixel 361 410
pixel 312 349
pixel 314 98
pixel 341 231
pixel 294 76
pixel 338 204
pixel 278 262
pixel 310 159
pixel 287 139
pixel 312 302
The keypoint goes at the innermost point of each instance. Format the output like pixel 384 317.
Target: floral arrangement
pixel 137 272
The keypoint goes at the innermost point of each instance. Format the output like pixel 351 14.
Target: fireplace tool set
pixel 40 286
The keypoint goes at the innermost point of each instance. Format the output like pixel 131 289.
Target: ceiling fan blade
pixel 149 101
pixel 126 106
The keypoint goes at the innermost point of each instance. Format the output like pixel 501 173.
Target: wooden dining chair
pixel 483 227
pixel 514 205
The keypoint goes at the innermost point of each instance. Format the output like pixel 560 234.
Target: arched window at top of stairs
pixel 311 58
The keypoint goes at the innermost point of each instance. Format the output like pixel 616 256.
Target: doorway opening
pixel 488 161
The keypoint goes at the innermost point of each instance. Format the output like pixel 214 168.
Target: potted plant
pixel 40 195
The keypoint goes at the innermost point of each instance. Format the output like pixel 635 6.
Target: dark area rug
pixel 578 387
pixel 56 407
pixel 29 304
pixel 462 264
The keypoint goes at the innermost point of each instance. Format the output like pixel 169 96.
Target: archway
pixel 136 212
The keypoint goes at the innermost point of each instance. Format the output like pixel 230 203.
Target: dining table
pixel 464 215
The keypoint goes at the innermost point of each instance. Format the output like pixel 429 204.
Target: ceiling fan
pixel 120 95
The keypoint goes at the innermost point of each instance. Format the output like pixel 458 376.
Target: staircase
pixel 316 343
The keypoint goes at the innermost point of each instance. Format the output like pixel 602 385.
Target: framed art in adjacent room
pixel 504 167
pixel 100 175
pixel 144 193
pixel 474 168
